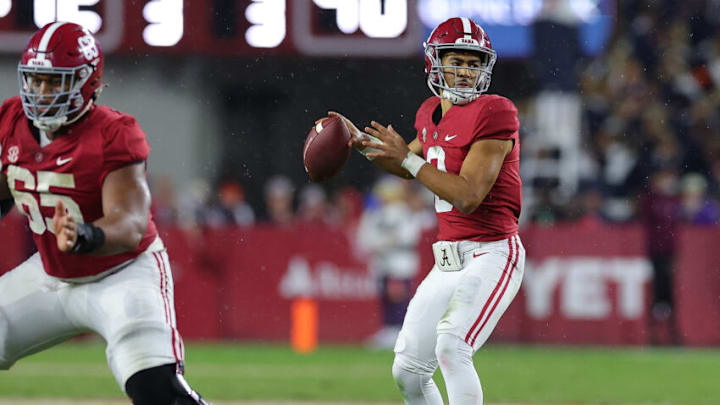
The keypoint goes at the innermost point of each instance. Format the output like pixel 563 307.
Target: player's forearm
pixel 391 167
pixel 126 209
pixel 453 188
pixel 388 165
pixel 123 232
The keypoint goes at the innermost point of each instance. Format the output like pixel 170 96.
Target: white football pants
pixel 451 316
pixel 132 309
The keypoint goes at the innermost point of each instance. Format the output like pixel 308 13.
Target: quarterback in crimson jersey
pixel 466 152
pixel 76 170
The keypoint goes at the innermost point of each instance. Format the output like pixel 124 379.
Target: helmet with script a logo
pixel 60 75
pixel 458 34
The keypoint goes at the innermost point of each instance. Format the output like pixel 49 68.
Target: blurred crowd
pixel 650 109
pixel 384 226
pixel 201 204
pixel 649 106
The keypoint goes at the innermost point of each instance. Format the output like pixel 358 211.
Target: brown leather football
pixel 326 149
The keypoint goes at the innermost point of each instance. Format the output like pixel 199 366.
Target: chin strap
pixel 55 123
pixel 50 125
pixel 459 96
pixel 458 99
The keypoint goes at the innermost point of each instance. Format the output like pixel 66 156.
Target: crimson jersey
pixel 70 169
pixel 445 146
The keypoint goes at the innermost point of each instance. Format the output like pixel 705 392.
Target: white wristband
pixel 369 149
pixel 412 163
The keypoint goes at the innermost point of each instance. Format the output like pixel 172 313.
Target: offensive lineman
pixel 77 172
pixel 470 146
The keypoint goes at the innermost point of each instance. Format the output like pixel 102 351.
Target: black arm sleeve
pixel 5 207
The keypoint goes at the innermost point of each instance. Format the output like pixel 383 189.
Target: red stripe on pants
pixel 492 295
pixel 166 301
pixel 502 293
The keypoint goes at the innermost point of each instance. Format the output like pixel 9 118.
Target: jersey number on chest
pixel 436 157
pixel 31 204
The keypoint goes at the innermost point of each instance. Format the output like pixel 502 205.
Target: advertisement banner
pixel 581 286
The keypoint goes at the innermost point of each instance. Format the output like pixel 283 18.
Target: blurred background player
pixel 228 208
pixel 467 152
pixel 77 172
pixel 279 196
pixel 389 234
pixel 661 213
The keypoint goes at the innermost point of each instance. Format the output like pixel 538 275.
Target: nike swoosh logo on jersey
pixel 450 138
pixel 478 254
pixel 60 161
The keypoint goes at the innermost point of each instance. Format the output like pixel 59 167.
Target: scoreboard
pixel 388 28
pixel 225 27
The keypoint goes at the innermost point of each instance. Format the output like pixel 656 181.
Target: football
pixel 326 149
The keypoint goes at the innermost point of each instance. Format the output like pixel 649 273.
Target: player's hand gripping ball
pixel 326 149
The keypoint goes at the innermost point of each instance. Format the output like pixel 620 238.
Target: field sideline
pixel 256 374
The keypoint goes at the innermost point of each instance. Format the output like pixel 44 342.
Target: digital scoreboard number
pixel 163 20
pixel 19 19
pixel 326 27
pixel 362 27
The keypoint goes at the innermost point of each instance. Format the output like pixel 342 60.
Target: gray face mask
pixel 463 94
pixel 64 104
pixel 437 81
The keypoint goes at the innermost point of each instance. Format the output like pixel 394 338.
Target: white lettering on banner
pixel 583 283
pixel 630 284
pixel 325 281
pixel 297 280
pixel 584 294
pixel 538 284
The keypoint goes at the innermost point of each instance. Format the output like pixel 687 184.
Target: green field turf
pixel 522 374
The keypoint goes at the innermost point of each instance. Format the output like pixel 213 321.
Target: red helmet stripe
pixel 45 40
